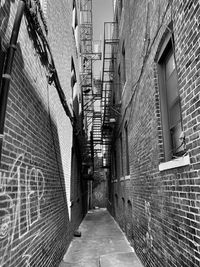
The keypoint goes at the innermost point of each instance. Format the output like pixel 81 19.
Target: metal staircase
pixel 109 111
pixel 89 95
pixel 97 123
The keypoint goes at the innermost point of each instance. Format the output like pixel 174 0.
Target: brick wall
pixel 164 228
pixel 35 178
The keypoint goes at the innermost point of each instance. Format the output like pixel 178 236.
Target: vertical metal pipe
pixel 8 68
pixel 92 159
pixel 92 150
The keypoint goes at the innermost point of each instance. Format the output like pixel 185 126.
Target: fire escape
pixel 110 111
pixel 91 91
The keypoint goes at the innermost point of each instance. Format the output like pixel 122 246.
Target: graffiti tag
pixel 21 195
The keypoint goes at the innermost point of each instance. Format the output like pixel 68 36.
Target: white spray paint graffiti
pixel 149 237
pixel 21 195
pixel 27 255
pixel 98 195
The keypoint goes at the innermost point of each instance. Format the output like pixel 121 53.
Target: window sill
pixel 127 177
pixel 175 163
pixel 124 178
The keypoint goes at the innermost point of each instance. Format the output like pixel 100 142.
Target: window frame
pixel 127 149
pixel 121 155
pixel 166 49
pixel 124 63
pixel 119 79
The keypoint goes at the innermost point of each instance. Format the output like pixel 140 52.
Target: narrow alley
pixel 102 244
pixel 99 133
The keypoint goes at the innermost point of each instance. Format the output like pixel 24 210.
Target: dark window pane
pixel 174 114
pixel 170 65
pixel 172 90
pixel 176 141
pixel 170 104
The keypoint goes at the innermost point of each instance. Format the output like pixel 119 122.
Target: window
pixel 116 201
pixel 124 64
pixel 127 150
pixel 170 101
pixel 115 164
pixel 121 155
pixel 120 80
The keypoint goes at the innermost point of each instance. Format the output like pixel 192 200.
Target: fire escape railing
pixel 109 59
pixel 88 56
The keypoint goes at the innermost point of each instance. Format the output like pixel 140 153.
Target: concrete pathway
pixel 102 244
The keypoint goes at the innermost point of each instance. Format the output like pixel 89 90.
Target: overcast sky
pixel 102 12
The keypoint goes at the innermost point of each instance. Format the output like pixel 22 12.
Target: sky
pixel 102 12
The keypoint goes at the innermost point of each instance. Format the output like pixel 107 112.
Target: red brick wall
pixel 35 176
pixel 165 204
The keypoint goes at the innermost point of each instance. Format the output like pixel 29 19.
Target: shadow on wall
pixel 33 202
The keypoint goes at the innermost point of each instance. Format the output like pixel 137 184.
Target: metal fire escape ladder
pixel 109 58
pixel 88 56
pixel 97 124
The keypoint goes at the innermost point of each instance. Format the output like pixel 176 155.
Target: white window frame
pixel 170 162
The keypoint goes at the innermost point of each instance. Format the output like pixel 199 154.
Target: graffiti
pixel 27 255
pixel 98 195
pixel 21 196
pixel 149 237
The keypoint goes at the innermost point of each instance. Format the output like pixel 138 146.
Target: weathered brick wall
pixel 165 205
pixel 64 48
pixel 35 176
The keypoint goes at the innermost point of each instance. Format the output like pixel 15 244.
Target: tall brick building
pixel 154 128
pixel 42 199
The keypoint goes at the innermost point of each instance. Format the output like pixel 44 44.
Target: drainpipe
pixel 92 159
pixel 8 68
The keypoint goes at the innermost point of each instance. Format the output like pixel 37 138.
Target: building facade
pixel 41 203
pixel 155 168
